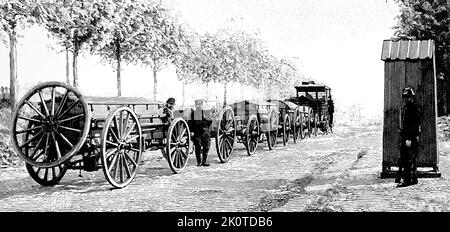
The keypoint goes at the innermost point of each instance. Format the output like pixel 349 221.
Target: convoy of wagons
pixel 56 128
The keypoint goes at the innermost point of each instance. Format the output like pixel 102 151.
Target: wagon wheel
pixel 225 134
pixel 309 122
pixel 178 145
pixel 316 121
pixel 297 126
pixel 252 135
pixel 44 176
pixel 121 146
pixel 60 117
pixel 286 129
pixel 272 129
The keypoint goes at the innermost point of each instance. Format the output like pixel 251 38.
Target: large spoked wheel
pixel 225 134
pixel 44 176
pixel 286 129
pixel 309 123
pixel 316 123
pixel 297 126
pixel 121 146
pixel 272 131
pixel 252 134
pixel 178 145
pixel 60 118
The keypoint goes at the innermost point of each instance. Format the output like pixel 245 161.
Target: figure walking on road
pixel 409 139
pixel 202 137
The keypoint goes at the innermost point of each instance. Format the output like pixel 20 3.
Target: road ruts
pixel 267 180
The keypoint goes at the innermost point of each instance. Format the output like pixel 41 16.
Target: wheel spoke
pixel 125 124
pixel 116 168
pixel 64 139
pixel 131 159
pixel 122 178
pixel 34 108
pixel 68 109
pixel 182 133
pixel 46 174
pixel 71 118
pixel 43 103
pixel 29 129
pixel 184 154
pixel 116 126
pixel 46 145
pixel 109 153
pixel 111 143
pixel 53 101
pixel 121 124
pixel 30 119
pixel 127 169
pixel 62 103
pixel 55 142
pixel 37 146
pixel 113 133
pixel 54 172
pixel 71 129
pixel 131 139
pixel 127 133
pixel 31 139
pixel 113 162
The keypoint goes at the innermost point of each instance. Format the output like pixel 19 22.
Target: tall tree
pixel 78 24
pixel 16 14
pixel 160 41
pixel 124 27
pixel 429 19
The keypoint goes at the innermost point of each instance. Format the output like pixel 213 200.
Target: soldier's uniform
pixel 202 138
pixel 168 109
pixel 330 104
pixel 409 135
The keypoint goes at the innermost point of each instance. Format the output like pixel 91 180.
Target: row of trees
pixel 146 33
pixel 430 19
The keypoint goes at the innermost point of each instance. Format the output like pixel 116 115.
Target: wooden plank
pixel 403 49
pixel 386 123
pixel 121 101
pixel 385 50
pixel 414 50
pixel 394 50
pixel 429 112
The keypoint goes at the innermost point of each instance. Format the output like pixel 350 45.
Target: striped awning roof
pixel 407 49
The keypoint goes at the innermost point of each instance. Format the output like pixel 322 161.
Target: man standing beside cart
pixel 202 137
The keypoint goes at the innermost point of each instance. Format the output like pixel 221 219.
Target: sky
pixel 336 42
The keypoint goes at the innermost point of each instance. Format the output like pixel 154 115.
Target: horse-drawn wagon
pixel 291 119
pixel 255 122
pixel 314 100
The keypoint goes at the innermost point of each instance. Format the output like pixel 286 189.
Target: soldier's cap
pixel 199 101
pixel 408 92
pixel 171 100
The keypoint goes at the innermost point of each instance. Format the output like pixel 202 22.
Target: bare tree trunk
pixel 224 94
pixel 155 79
pixel 119 60
pixel 206 91
pixel 183 94
pixel 13 85
pixel 67 66
pixel 75 63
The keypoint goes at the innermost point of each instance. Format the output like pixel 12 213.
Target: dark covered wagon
pixel 314 99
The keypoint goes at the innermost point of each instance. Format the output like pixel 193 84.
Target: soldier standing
pixel 168 109
pixel 202 137
pixel 330 104
pixel 409 139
